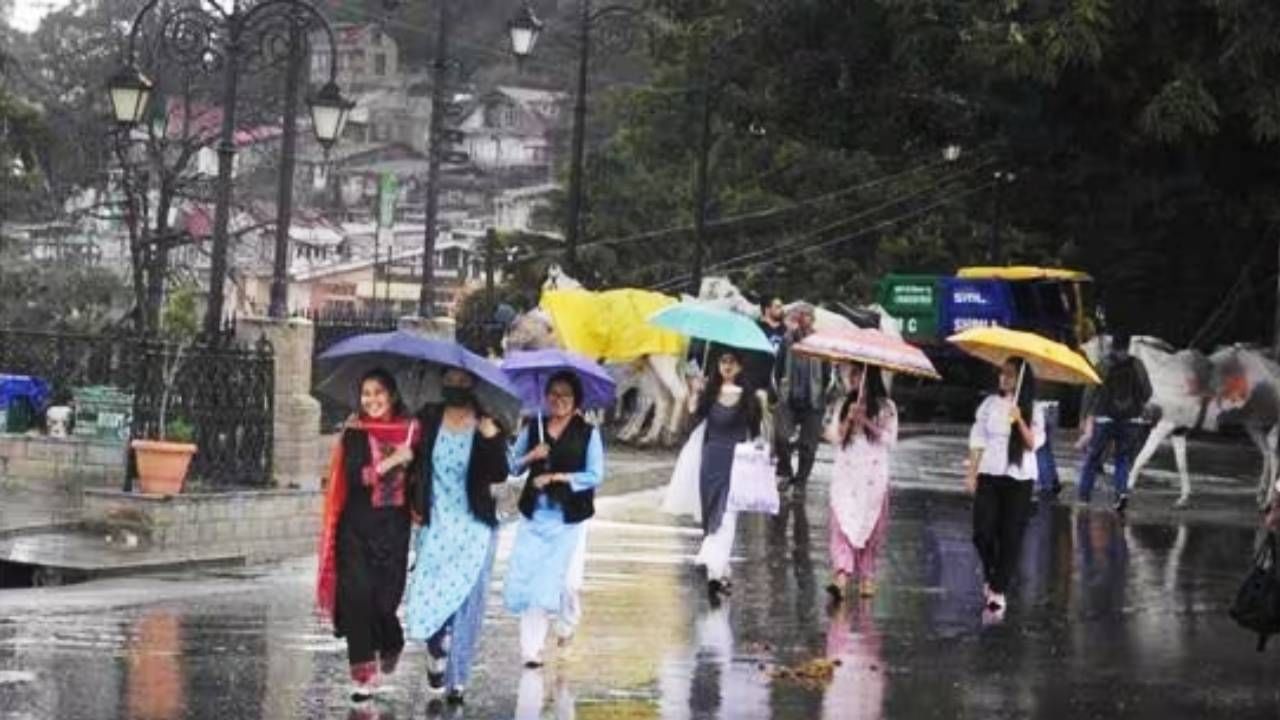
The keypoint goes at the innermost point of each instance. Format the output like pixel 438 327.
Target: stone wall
pixel 43 463
pixel 257 525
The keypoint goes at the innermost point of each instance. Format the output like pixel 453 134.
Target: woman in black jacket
pixel 463 456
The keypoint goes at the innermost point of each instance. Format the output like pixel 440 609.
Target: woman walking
pixel 1002 470
pixel 365 542
pixel 463 456
pixel 728 413
pixel 864 433
pixel 565 466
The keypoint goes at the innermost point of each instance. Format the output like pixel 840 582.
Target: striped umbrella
pixel 870 347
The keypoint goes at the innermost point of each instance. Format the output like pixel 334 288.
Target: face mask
pixel 457 396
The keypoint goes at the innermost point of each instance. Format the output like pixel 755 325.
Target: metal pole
pixel 574 220
pixel 993 250
pixel 226 160
pixel 284 197
pixel 490 245
pixel 700 184
pixel 426 298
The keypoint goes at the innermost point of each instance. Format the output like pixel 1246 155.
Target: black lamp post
pixel 524 36
pixel 209 38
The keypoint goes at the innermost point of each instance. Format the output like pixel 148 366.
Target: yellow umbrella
pixel 1049 360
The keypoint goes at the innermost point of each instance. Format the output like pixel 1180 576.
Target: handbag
pixel 752 486
pixel 1257 603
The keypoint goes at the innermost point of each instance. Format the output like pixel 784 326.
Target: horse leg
pixel 1259 439
pixel 1180 455
pixel 666 370
pixel 1272 452
pixel 1157 436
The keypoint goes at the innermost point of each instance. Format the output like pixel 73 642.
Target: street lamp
pixel 587 18
pixel 227 37
pixel 130 94
pixel 524 29
pixel 329 112
pixel 951 153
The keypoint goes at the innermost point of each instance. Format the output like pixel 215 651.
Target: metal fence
pixel 225 392
pixel 331 329
pixel 222 389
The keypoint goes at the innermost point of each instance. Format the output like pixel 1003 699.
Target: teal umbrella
pixel 707 322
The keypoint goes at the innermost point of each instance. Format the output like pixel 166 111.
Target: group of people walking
pixel 847 404
pixel 410 515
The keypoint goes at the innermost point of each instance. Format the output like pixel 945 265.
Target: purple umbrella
pixel 417 363
pixel 530 371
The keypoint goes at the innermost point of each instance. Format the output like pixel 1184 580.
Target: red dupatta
pixel 397 431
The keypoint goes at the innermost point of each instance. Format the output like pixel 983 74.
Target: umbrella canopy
pixel 705 322
pixel 418 365
pixel 529 373
pixel 1049 360
pixel 871 347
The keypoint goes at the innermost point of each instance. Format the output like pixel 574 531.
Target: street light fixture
pixel 130 94
pixel 951 153
pixel 329 111
pixel 229 37
pixel 524 29
pixel 622 19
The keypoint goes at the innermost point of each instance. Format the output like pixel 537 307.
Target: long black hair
pixel 1025 400
pixel 386 380
pixel 748 406
pixel 877 394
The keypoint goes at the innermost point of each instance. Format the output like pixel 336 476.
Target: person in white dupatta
pixel 863 432
pixel 728 412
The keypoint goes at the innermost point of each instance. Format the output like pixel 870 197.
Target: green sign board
pixel 387 192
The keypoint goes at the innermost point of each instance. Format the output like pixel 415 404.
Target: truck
pixel 1056 303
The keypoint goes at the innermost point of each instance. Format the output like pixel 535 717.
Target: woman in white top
pixel 1001 474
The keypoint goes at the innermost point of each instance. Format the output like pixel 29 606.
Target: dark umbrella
pixel 418 365
pixel 530 371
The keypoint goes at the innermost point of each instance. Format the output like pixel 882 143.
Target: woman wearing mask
pixel 463 456
pixel 565 465
pixel 863 433
pixel 1002 471
pixel 365 543
pixel 727 413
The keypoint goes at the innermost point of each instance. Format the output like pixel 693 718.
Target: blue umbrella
pixel 418 365
pixel 706 322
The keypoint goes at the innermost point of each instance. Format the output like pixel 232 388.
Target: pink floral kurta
pixel 860 477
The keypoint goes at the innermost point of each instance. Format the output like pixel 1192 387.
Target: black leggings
pixel 1000 511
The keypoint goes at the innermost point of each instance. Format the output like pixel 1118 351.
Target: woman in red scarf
pixel 364 549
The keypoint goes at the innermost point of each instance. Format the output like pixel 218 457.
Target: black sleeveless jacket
pixel 568 455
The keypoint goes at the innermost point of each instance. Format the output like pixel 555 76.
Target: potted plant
pixel 163 463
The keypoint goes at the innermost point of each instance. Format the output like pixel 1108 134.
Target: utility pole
pixel 700 189
pixel 439 66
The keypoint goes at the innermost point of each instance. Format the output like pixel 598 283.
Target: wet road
pixel 1110 619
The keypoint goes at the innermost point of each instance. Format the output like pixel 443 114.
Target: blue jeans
pixel 1118 435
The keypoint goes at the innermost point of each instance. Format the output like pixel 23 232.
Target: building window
pixel 380 65
pixel 509 116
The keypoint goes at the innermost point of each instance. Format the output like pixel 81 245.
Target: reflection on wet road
pixel 1109 620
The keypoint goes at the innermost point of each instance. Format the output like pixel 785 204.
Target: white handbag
pixel 752 487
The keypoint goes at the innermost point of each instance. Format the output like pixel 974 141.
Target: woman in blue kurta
pixel 565 465
pixel 464 455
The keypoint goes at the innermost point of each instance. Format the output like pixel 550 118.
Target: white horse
pixel 1234 385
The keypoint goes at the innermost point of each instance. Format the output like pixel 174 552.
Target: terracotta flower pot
pixel 162 466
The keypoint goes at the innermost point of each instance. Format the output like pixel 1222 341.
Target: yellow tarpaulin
pixel 611 325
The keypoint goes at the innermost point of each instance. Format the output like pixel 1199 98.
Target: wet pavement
pixel 1110 619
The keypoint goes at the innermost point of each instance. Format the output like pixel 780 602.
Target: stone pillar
pixel 437 328
pixel 296 444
